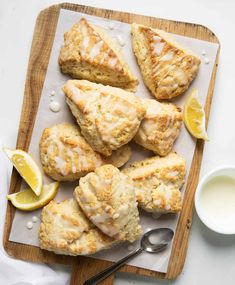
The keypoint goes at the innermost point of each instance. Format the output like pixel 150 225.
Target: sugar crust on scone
pixel 109 117
pixel 167 68
pixel 66 156
pixel 157 182
pixel 107 197
pixel 90 53
pixel 160 127
pixel 64 229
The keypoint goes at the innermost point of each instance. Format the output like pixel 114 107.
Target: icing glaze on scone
pixel 89 53
pixel 157 181
pixel 160 126
pixel 64 229
pixel 107 197
pixel 108 117
pixel 167 68
pixel 66 156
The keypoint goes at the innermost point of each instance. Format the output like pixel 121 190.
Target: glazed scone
pixel 109 117
pixel 160 126
pixel 107 197
pixel 66 156
pixel 64 229
pixel 157 182
pixel 167 68
pixel 90 53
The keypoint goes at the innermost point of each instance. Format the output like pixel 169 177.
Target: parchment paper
pixel 184 145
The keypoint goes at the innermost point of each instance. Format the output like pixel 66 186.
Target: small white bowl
pixel 228 171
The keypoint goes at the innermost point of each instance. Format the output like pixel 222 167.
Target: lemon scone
pixel 90 53
pixel 109 117
pixel 66 156
pixel 64 229
pixel 167 68
pixel 107 197
pixel 157 182
pixel 160 126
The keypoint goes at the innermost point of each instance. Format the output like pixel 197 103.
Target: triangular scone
pixel 65 229
pixel 160 126
pixel 66 156
pixel 107 197
pixel 109 117
pixel 89 53
pixel 166 67
pixel 157 182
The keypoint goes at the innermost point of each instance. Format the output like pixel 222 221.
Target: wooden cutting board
pixel 44 33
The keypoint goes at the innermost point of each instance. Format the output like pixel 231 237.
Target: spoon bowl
pixel 152 241
pixel 156 240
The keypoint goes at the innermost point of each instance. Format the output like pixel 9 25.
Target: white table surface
pixel 211 257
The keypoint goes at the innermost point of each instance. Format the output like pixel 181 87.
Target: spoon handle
pixel 108 271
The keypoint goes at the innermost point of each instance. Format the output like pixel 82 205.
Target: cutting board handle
pixel 81 271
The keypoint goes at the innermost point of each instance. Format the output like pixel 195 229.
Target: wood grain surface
pixel 84 267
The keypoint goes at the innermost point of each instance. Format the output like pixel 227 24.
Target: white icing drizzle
pixel 120 40
pixel 96 49
pixel 52 93
pixel 167 56
pixel 156 202
pixel 85 42
pixel 207 60
pixel 158 47
pixel 34 219
pixel 112 61
pixel 29 225
pixel 54 106
pixel 116 216
pixel 60 164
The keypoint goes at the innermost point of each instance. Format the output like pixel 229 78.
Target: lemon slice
pixel 194 116
pixel 26 200
pixel 27 168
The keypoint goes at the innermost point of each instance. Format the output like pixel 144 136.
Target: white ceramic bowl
pixel 211 224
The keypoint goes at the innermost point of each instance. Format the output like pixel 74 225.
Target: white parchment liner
pixel 184 145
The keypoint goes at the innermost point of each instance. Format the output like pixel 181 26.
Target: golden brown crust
pixel 65 230
pixel 108 117
pixel 66 156
pixel 107 197
pixel 89 53
pixel 157 182
pixel 160 126
pixel 167 68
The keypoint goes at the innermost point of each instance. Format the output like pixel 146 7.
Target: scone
pixel 90 53
pixel 64 229
pixel 107 197
pixel 157 182
pixel 167 68
pixel 109 117
pixel 160 126
pixel 66 156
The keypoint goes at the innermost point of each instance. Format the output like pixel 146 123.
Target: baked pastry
pixel 107 197
pixel 64 229
pixel 90 53
pixel 160 126
pixel 109 117
pixel 157 181
pixel 66 156
pixel 167 68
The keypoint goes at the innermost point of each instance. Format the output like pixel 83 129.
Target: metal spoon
pixel 153 241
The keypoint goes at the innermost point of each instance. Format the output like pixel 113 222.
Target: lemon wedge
pixel 194 116
pixel 26 200
pixel 27 168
